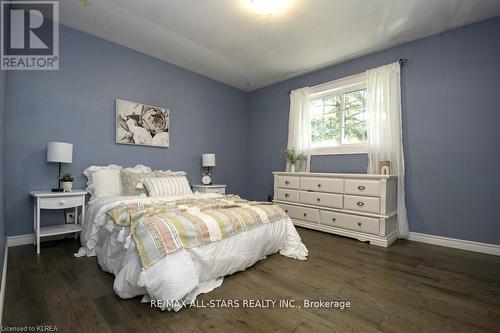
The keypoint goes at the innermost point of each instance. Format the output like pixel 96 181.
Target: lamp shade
pixel 208 160
pixel 59 152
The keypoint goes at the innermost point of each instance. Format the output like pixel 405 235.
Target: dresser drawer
pixel 287 195
pixel 365 224
pixel 322 184
pixel 301 213
pixel 59 203
pixel 363 187
pixel 362 204
pixel 321 199
pixel 287 182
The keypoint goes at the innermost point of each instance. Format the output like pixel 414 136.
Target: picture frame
pixel 70 216
pixel 142 124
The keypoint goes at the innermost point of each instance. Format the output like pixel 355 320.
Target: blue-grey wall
pixel 451 130
pixel 76 104
pixel 451 103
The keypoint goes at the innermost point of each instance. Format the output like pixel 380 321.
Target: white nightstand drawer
pixel 61 202
pixel 362 204
pixel 287 195
pixel 220 190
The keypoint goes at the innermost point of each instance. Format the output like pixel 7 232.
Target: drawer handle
pixel 360 203
pixel 287 195
pixel 334 219
pixel 305 214
pixel 287 182
pixel 318 199
pixel 359 224
pixel 62 202
pixel 319 185
pixel 286 210
pixel 361 188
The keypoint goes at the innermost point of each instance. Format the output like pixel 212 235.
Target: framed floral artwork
pixel 141 124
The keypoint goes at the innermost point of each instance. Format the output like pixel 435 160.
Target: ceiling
pixel 226 41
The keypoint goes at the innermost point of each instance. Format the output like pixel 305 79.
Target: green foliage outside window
pixel 329 113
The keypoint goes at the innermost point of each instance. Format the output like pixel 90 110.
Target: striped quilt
pixel 164 227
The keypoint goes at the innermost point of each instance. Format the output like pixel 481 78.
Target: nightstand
pixel 56 200
pixel 219 189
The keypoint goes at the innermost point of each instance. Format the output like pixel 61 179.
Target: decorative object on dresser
pixel 66 182
pixel 207 161
pixel 385 167
pixel 219 189
pixel 56 200
pixel 361 206
pixel 142 124
pixel 292 158
pixel 59 152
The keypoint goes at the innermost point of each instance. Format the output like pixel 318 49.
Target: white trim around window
pixel 349 83
pixel 338 85
pixel 340 150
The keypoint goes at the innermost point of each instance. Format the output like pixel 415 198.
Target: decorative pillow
pixel 170 173
pixel 167 185
pixel 130 180
pixel 90 173
pixel 106 183
pixel 139 168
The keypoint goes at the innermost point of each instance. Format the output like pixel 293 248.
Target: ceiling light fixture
pixel 267 7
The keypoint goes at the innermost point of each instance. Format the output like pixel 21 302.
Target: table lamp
pixel 59 152
pixel 208 160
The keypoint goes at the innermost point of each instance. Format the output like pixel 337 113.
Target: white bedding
pixel 184 274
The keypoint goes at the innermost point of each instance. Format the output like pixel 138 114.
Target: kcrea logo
pixel 30 35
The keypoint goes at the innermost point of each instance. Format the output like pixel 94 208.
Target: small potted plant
pixel 66 181
pixel 292 157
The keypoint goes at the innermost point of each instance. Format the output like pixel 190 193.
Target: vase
pixel 292 167
pixel 67 186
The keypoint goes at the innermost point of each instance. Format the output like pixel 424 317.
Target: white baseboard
pixel 413 236
pixel 4 280
pixel 27 239
pixel 19 240
pixel 456 243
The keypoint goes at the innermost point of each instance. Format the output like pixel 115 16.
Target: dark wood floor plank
pixel 408 287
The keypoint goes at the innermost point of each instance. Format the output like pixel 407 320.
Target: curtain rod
pixel 401 61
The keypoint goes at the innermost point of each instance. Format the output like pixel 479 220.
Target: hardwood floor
pixel 409 287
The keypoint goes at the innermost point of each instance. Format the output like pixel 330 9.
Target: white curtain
pixel 383 86
pixel 299 127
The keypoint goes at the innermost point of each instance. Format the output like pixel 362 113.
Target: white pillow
pixel 170 173
pixel 92 170
pixel 139 168
pixel 108 180
pixel 168 185
pixel 107 183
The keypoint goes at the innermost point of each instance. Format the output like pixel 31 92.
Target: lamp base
pixel 57 190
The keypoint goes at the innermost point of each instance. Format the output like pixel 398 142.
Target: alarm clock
pixel 206 179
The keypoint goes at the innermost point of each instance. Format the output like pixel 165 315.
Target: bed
pixel 124 233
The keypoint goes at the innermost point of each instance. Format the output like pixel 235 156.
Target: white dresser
pixel 361 206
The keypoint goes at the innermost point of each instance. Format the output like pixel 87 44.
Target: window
pixel 338 117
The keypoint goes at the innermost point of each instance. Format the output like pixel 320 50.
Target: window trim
pixel 350 83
